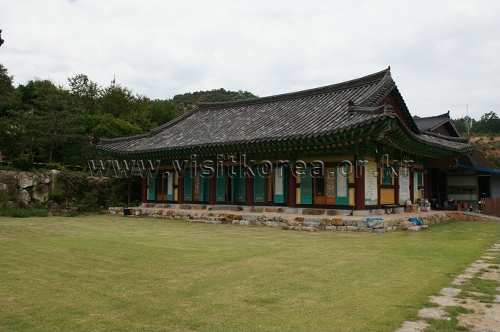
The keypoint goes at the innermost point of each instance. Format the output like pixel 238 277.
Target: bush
pixel 58 195
pixel 56 166
pixel 22 212
pixel 23 163
pixel 72 185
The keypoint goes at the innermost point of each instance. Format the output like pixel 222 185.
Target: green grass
pixel 117 273
pixel 449 325
pixel 485 287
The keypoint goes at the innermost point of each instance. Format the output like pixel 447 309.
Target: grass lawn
pixel 116 273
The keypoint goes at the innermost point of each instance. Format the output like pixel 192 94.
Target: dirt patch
pixel 491 274
pixel 486 316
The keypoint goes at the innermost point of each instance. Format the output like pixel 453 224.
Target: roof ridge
pixel 173 121
pixel 105 140
pixel 375 77
pixel 445 137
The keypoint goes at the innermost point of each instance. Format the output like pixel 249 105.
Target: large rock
pixel 26 179
pixel 41 193
pixel 8 180
pixel 45 178
pixel 23 196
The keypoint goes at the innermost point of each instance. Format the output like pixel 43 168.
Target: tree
pixel 107 126
pixel 117 100
pixel 7 90
pixel 85 93
pixel 7 102
pixel 163 111
pixel 51 119
pixel 186 101
pixel 488 124
pixel 464 125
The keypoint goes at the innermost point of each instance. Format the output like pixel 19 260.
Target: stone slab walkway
pixel 485 316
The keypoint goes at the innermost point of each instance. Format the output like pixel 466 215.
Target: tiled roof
pixel 432 122
pixel 323 111
pixel 476 159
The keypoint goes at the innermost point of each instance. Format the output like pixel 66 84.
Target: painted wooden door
pixel 330 187
pixel 280 187
pixel 220 185
pixel 151 188
pixel 319 190
pixel 201 187
pixel 204 188
pixel 259 187
pixel 188 186
pixel 306 187
pixel 238 186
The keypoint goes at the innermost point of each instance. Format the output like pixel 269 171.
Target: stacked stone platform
pixel 310 220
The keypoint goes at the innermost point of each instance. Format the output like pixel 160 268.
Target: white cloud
pixel 442 53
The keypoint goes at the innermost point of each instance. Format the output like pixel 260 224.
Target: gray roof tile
pixel 298 115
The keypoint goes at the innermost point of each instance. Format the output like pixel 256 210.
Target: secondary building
pixel 352 145
pixel 468 180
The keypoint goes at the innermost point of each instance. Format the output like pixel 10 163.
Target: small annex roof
pixel 475 159
pixel 305 115
pixel 432 123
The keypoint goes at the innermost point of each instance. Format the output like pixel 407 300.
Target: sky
pixel 444 54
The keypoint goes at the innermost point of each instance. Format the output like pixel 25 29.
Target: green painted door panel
pixel 306 187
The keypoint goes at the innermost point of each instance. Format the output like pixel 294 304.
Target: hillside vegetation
pixel 490 147
pixel 484 135
pixel 43 123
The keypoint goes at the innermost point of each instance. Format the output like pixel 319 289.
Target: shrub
pixel 56 166
pixel 23 163
pixel 58 195
pixel 22 212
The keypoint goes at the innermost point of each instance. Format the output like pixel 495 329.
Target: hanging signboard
pixel 371 193
pixel 404 185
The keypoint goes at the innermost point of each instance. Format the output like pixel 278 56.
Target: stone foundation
pixel 307 222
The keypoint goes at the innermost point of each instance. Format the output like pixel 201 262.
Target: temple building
pixel 347 146
pixel 466 180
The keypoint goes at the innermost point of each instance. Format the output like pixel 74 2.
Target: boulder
pixel 8 180
pixel 23 196
pixel 41 193
pixel 45 178
pixel 26 179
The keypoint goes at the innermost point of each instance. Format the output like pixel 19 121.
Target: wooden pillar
pixel 426 184
pixel 412 185
pixel 380 176
pixel 249 190
pixel 292 191
pixel 396 186
pixel 213 184
pixel 180 188
pixel 144 190
pixel 359 185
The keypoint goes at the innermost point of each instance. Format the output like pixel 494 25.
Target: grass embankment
pixel 117 273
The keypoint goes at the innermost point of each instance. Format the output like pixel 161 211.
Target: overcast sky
pixel 444 54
